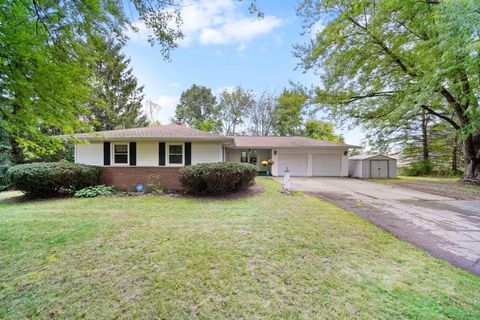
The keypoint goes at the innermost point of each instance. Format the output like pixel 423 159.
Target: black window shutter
pixel 106 153
pixel 188 153
pixel 161 154
pixel 133 153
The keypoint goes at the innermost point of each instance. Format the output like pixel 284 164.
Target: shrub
pixel 5 182
pixel 49 178
pixel 217 178
pixel 419 168
pixel 95 191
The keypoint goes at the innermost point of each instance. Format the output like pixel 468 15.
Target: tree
pixel 234 106
pixel 321 130
pixel 197 108
pixel 386 58
pixel 290 107
pixel 264 115
pixel 46 82
pixel 117 101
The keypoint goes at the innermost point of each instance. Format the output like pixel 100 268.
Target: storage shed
pixel 372 166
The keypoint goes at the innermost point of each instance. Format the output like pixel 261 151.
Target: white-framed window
pixel 120 153
pixel 175 154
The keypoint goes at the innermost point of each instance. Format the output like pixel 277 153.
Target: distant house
pixel 155 155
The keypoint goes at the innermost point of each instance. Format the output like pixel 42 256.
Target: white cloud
pixel 167 108
pixel 238 31
pixel 316 28
pixel 217 22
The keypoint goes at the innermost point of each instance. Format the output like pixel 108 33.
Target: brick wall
pixel 126 178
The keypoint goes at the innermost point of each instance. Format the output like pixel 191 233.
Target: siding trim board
pixel 133 153
pixel 161 154
pixel 188 153
pixel 106 154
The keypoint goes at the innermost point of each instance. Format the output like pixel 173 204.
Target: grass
pixel 268 256
pixel 453 183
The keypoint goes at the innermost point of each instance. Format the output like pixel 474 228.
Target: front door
pixel 378 168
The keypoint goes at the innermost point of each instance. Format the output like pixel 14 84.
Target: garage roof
pixel 368 156
pixel 284 142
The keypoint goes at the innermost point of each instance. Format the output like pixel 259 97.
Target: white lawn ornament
pixel 286 179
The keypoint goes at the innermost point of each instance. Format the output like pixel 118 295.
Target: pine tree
pixel 118 96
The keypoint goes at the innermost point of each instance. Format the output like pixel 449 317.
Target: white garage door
pixel 296 163
pixel 379 168
pixel 326 165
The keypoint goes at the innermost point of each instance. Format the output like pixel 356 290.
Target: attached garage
pixel 295 162
pixel 304 157
pixel 372 166
pixel 326 165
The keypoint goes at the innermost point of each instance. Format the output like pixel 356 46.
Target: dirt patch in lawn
pixel 453 189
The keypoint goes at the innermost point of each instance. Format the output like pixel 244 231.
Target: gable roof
pixel 284 142
pixel 368 156
pixel 166 132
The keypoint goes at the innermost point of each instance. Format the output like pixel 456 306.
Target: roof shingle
pixel 283 142
pixel 171 131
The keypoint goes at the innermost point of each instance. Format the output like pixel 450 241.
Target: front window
pixel 120 153
pixel 243 156
pixel 175 154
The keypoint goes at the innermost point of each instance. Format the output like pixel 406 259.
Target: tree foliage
pixel 386 59
pixel 45 57
pixel 321 130
pixel 234 106
pixel 117 100
pixel 198 109
pixel 263 115
pixel 289 109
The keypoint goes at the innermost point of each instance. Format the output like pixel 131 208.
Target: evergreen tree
pixel 117 101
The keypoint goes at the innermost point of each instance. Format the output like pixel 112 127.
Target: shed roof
pixel 368 156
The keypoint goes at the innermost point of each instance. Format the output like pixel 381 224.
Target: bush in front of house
pixel 217 178
pixel 5 182
pixel 50 178
pixel 94 191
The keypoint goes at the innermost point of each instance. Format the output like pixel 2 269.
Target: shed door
pixel 326 165
pixel 379 168
pixel 296 163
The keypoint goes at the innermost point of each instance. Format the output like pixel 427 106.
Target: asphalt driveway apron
pixel 447 228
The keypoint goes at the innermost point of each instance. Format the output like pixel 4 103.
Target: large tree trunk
pixel 471 147
pixel 426 153
pixel 17 153
pixel 455 155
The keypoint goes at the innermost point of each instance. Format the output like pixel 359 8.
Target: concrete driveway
pixel 447 228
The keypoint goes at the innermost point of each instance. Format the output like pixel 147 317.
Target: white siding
pixel 206 152
pixel 90 153
pixel 355 168
pixel 147 154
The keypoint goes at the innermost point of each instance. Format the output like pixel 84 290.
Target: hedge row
pixel 5 182
pixel 48 178
pixel 217 178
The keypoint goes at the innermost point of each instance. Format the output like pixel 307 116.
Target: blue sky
pixel 225 46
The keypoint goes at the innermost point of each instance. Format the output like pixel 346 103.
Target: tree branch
pixel 442 116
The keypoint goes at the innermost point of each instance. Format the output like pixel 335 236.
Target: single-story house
pixel 155 155
pixel 372 166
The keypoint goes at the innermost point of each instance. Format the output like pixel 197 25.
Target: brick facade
pixel 126 178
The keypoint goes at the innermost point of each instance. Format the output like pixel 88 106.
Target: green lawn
pixel 267 256
pixel 442 186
